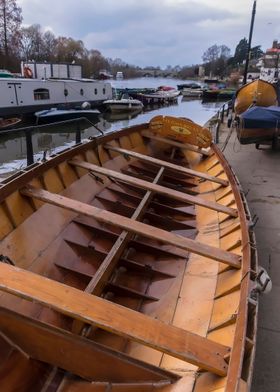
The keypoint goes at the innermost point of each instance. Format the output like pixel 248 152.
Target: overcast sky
pixel 156 32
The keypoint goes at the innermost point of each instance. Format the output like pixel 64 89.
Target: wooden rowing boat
pixel 256 93
pixel 258 125
pixel 127 265
pixel 6 123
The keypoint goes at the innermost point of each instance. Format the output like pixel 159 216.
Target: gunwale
pixel 235 364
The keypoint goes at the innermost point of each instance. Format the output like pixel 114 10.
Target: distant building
pixel 253 75
pixel 269 64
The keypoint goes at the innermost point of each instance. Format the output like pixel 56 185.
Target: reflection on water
pixel 112 117
pixel 55 138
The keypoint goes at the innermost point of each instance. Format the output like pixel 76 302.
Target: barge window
pixel 104 91
pixel 95 91
pixel 41 93
pixel 82 91
pixel 65 92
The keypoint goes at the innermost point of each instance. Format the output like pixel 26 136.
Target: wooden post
pixel 29 147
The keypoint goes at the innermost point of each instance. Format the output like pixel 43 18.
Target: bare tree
pixel 10 22
pixel 211 54
pixel 49 43
pixel 32 42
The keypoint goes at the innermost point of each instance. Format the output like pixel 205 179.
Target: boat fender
pixel 86 105
pixel 27 72
pixel 229 121
pixel 264 283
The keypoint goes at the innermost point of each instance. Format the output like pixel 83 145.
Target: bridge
pixel 152 72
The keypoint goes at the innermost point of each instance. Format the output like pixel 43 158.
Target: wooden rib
pixel 131 265
pixel 144 268
pixel 128 292
pixel 184 215
pixel 134 226
pixel 139 244
pixel 103 273
pixel 231 320
pixel 114 318
pixel 164 184
pixel 167 165
pixel 176 144
pixel 75 354
pixel 230 229
pixel 99 281
pixel 157 219
pixel 156 188
pixel 150 170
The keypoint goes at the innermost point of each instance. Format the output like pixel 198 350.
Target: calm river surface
pixel 54 138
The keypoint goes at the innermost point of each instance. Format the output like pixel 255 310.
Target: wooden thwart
pixel 167 165
pixel 114 318
pixel 134 226
pixel 188 147
pixel 156 188
pixel 75 354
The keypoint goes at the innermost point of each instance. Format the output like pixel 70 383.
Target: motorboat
pixel 124 104
pixel 55 114
pixel 192 92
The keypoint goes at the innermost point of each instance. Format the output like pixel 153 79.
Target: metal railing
pixel 224 109
pixel 28 131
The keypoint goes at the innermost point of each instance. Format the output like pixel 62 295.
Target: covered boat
pixel 259 124
pixel 255 93
pixel 127 265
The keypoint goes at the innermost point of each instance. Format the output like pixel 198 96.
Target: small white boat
pixel 119 75
pixel 169 93
pixel 125 104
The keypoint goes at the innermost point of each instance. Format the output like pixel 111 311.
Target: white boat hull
pixel 123 105
pixel 191 92
pixel 19 95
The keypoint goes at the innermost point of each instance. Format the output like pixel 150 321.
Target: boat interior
pixel 126 265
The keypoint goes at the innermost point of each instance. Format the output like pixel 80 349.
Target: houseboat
pixel 28 94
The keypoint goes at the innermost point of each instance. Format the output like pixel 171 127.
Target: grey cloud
pixel 154 32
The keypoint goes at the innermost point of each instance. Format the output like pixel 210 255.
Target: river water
pixel 54 138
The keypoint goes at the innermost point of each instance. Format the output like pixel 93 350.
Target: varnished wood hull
pixel 258 92
pixel 255 135
pixel 166 252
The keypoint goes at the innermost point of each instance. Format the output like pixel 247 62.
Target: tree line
pixel 18 43
pixel 33 44
pixel 219 62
